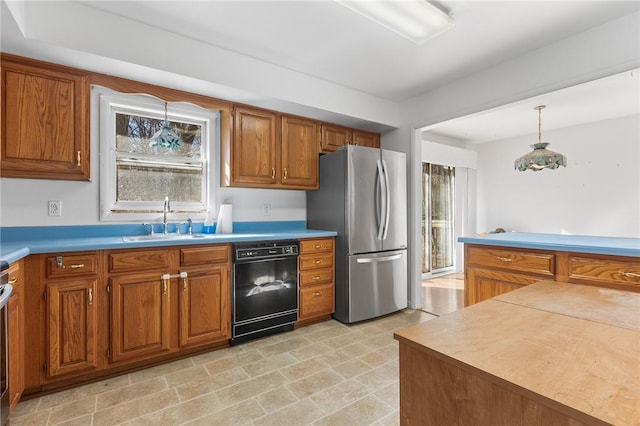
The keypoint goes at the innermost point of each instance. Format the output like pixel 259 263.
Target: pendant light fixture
pixel 540 158
pixel 165 137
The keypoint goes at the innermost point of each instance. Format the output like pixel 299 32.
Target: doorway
pixel 442 288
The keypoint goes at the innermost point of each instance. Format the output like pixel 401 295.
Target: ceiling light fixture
pixel 416 20
pixel 165 137
pixel 540 158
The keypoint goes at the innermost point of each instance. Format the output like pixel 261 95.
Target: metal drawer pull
pixel 317 261
pixel 76 265
pixel 317 293
pixel 90 297
pixel 165 282
pixel 273 173
pixel 12 281
pixel 504 259
pixel 380 259
pixel 317 246
pixel 317 277
pixel 286 174
pixel 629 274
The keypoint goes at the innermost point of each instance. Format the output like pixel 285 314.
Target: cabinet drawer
pixel 321 260
pixel 138 260
pixel 535 263
pixel 72 265
pixel 318 276
pixel 316 300
pixel 604 271
pixel 204 255
pixel 316 245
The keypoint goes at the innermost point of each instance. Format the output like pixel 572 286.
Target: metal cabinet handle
pixel 273 173
pixel 90 297
pixel 504 259
pixel 316 278
pixel 78 158
pixel 77 266
pixel 317 261
pixel 183 275
pixel 286 174
pixel 165 282
pixel 12 281
pixel 317 293
pixel 629 274
pixel 317 246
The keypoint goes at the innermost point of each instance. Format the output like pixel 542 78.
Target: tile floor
pixel 324 374
pixel 443 294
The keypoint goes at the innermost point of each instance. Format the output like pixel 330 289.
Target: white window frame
pixel 111 102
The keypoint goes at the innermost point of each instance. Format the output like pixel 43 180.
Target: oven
pixel 265 289
pixel 5 294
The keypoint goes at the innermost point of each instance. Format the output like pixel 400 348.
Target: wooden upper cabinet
pixel 270 151
pixel 334 137
pixel 253 149
pixel 45 120
pixel 363 138
pixel 299 151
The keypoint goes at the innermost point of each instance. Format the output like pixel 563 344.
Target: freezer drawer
pixel 377 284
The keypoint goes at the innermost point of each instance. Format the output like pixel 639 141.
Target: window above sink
pixel 137 171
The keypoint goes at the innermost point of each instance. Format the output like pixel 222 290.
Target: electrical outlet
pixel 267 209
pixel 55 208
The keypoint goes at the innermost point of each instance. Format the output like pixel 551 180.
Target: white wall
pixel 598 193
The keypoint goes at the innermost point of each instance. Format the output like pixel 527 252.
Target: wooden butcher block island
pixel 548 354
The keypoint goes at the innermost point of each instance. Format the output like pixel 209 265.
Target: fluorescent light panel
pixel 416 20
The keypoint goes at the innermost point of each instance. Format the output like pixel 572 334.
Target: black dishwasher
pixel 265 289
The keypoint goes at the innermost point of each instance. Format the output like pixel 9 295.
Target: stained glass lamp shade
pixel 166 137
pixel 540 158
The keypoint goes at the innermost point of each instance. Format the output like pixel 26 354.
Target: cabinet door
pixel 72 325
pixel 316 301
pixel 482 284
pixel 362 138
pixel 253 153
pixel 300 145
pixel 333 137
pixel 44 121
pixel 139 316
pixel 204 306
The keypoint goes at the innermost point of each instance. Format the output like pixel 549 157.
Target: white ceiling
pixel 327 41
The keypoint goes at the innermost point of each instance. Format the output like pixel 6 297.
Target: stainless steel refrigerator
pixel 363 197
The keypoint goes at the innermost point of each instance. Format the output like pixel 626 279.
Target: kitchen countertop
pixel 569 347
pixel 617 246
pixel 16 243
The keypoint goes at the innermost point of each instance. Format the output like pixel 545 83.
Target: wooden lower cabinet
pixel 126 309
pixel 16 320
pixel 139 316
pixel 482 284
pixel 204 296
pixel 491 270
pixel 71 327
pixel 316 275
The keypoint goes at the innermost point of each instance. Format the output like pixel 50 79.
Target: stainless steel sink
pixel 162 237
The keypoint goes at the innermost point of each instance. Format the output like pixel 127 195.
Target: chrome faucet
pixel 166 208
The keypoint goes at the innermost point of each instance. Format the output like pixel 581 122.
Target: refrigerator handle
pixel 380 211
pixel 380 259
pixel 387 198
